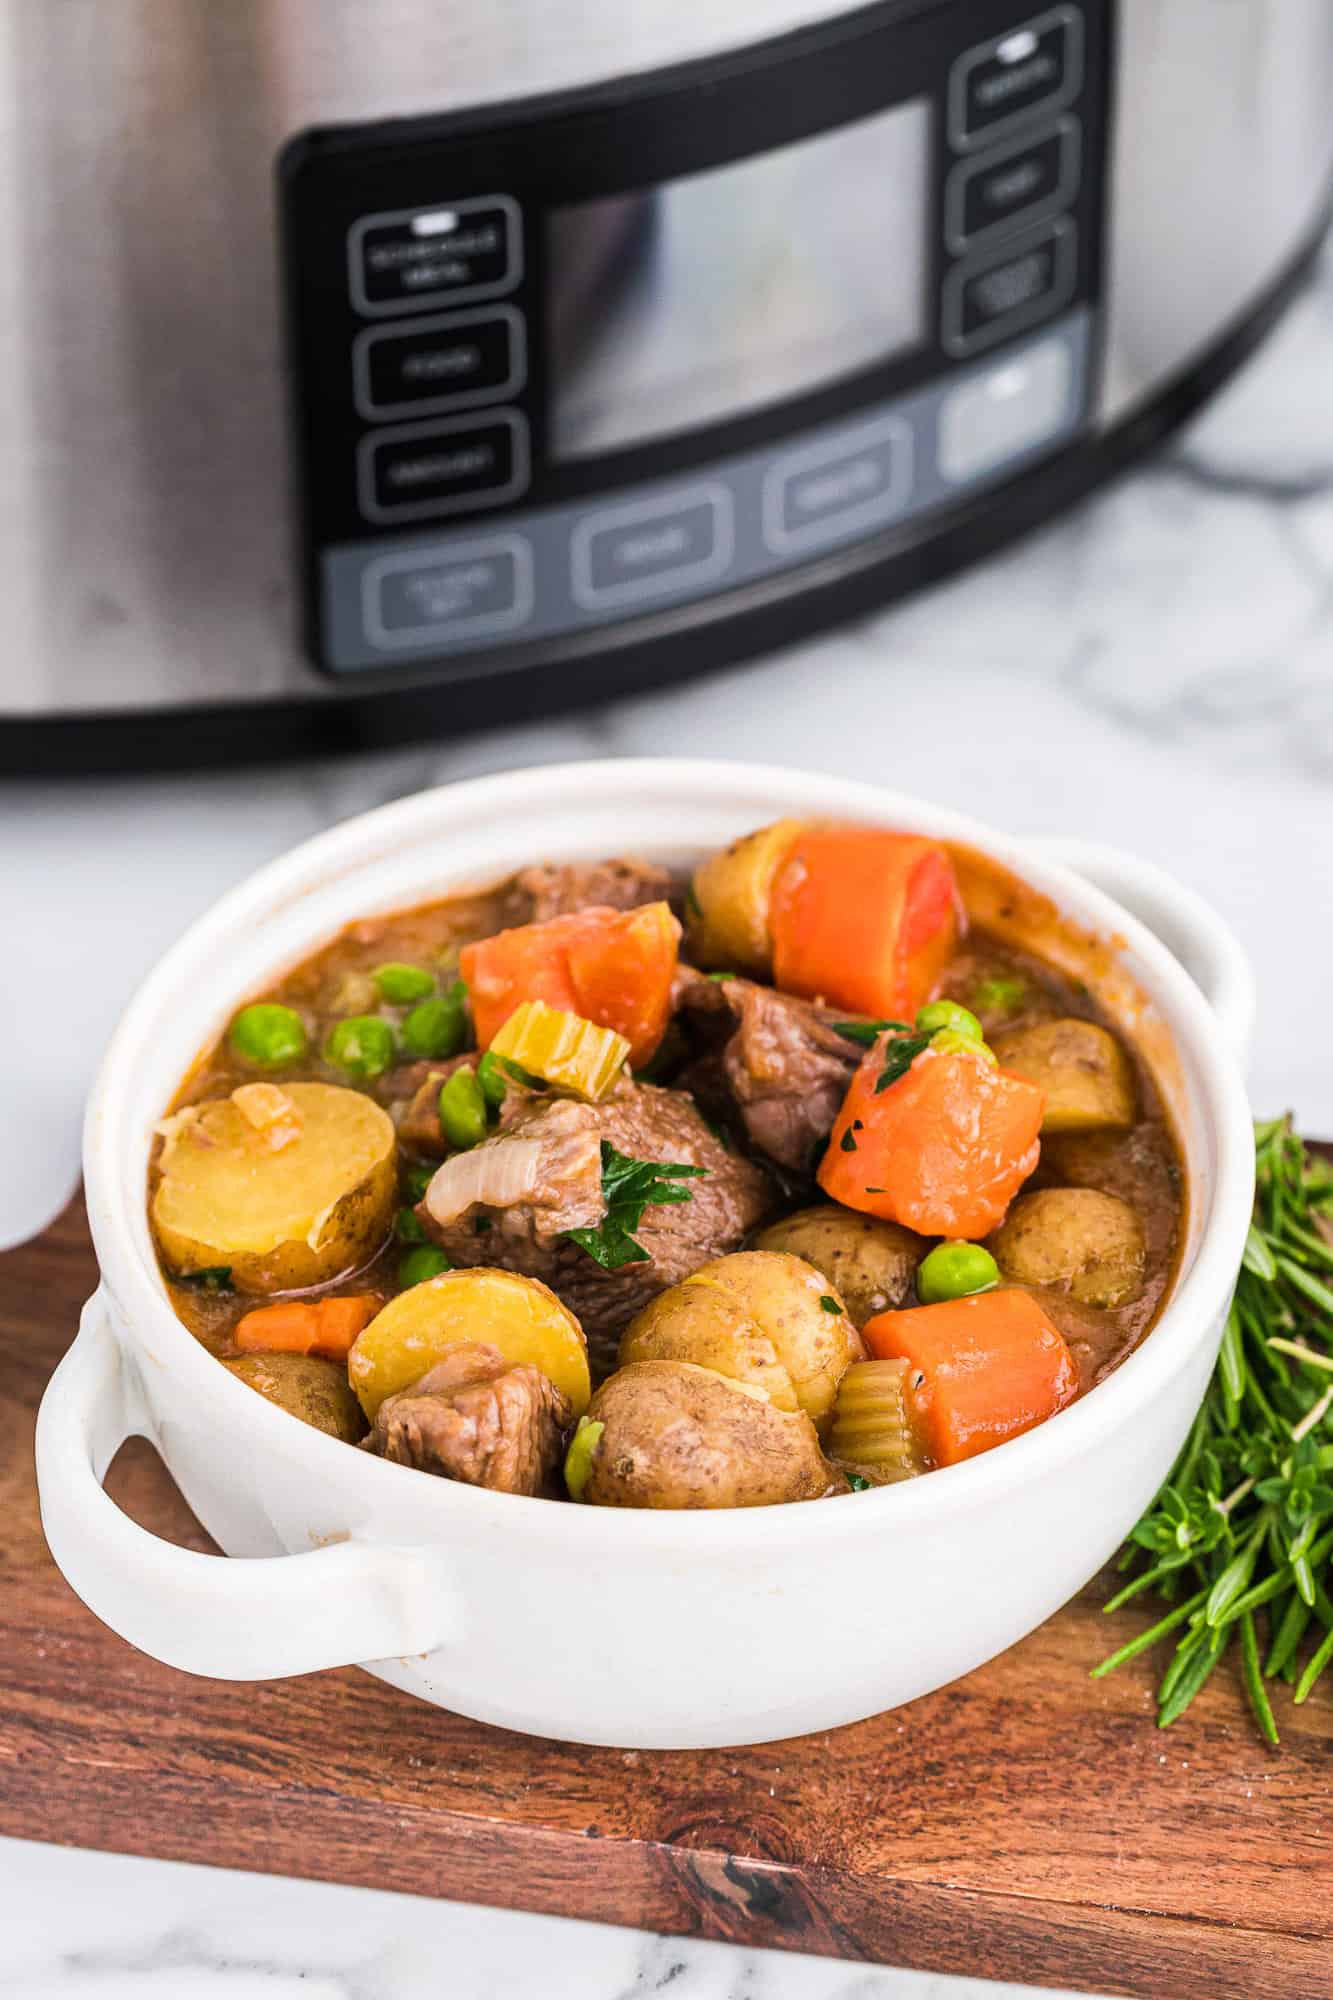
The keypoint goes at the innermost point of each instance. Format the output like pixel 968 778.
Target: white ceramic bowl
pixel 658 1630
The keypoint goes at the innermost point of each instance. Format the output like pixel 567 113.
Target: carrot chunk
pixel 611 967
pixel 307 1326
pixel 944 1150
pixel 864 918
pixel 984 1369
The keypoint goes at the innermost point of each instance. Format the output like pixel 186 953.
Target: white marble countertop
pixel 1156 671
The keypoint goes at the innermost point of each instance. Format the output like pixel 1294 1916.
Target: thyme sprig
pixel 1240 1539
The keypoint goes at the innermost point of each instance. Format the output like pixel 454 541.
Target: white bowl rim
pixel 1198 1300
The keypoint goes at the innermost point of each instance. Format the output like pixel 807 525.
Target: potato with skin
pixel 520 1317
pixel 870 1263
pixel 1073 1240
pixel 282 1196
pixel 1085 1072
pixel 700 1324
pixel 729 901
pixel 672 1435
pixel 800 1311
pixel 315 1391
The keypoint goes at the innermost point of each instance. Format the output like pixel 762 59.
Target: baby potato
pixel 520 1317
pixel 699 1324
pixel 870 1263
pixel 283 1196
pixel 1083 1069
pixel 670 1434
pixel 800 1311
pixel 729 902
pixel 313 1390
pixel 1073 1240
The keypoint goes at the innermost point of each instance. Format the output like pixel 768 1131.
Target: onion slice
pixel 497 1175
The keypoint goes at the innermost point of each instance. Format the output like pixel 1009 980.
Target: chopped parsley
pixel 857 1483
pixel 899 1055
pixel 829 1304
pixel 518 1074
pixel 847 1143
pixel 864 1033
pixel 213 1278
pixel 628 1187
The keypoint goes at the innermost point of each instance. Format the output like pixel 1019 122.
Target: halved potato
pixel 282 1195
pixel 1073 1240
pixel 313 1390
pixel 870 1263
pixel 1086 1074
pixel 730 897
pixel 711 1328
pixel 800 1311
pixel 520 1317
pixel 669 1434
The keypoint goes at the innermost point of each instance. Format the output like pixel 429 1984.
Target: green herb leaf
pixel 517 1073
pixel 213 1278
pixel 867 1033
pixel 628 1187
pixel 900 1052
pixel 857 1483
pixel 1243 1521
pixel 828 1304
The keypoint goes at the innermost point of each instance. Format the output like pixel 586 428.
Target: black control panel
pixel 445 529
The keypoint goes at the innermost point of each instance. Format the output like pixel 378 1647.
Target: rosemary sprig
pixel 1242 1532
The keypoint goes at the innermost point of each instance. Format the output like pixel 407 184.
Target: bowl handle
pixel 1188 926
pixel 251 1619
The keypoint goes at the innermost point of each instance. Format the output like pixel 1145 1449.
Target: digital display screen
pixel 729 289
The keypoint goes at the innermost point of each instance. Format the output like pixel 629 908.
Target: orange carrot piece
pixel 985 1368
pixel 325 1327
pixel 864 918
pixel 944 1150
pixel 612 967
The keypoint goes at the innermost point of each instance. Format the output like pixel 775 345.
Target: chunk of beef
pixel 556 890
pixel 549 1151
pixel 784 1064
pixel 474 1417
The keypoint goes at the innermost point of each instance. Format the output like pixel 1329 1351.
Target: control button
pixel 453 252
pixel 472 590
pixel 848 484
pixel 440 364
pixel 1012 187
pixel 1022 401
pixel 659 548
pixel 421 471
pixel 1037 67
pixel 986 303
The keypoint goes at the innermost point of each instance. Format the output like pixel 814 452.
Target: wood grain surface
pixel 1025 1824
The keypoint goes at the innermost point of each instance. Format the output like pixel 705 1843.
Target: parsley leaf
pixel 899 1055
pixel 864 1033
pixel 521 1075
pixel 214 1278
pixel 829 1304
pixel 857 1483
pixel 628 1187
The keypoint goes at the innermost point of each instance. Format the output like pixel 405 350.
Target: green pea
pixel 417 1177
pixel 955 1271
pixel 578 1459
pixel 462 1110
pixel 363 1045
pixel 950 1043
pixel 407 1227
pixel 949 1015
pixel 1001 996
pixel 401 984
pixel 422 1263
pixel 268 1036
pixel 438 1027
pixel 492 1080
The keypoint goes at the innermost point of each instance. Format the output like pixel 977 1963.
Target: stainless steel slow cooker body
pixel 149 546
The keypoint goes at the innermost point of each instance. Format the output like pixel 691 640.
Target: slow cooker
pixel 372 367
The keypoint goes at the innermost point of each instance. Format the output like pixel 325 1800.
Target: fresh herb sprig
pixel 1241 1536
pixel 900 1052
pixel 866 1033
pixel 628 1187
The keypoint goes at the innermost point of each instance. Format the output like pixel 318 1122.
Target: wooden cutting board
pixel 1026 1824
